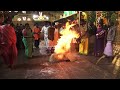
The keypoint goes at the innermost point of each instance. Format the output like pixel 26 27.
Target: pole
pixel 79 17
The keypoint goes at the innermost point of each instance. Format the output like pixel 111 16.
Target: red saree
pixel 9 38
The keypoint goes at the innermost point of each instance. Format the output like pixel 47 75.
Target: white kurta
pixel 45 31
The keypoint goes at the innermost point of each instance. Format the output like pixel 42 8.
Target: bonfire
pixel 65 48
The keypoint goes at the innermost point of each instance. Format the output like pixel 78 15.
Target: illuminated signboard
pixel 28 19
pixel 19 19
pixel 23 19
pixel 40 18
pixel 68 13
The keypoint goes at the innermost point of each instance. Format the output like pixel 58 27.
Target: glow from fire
pixel 65 40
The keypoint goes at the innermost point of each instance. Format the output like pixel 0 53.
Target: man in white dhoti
pixel 45 31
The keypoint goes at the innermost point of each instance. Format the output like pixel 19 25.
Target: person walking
pixel 28 40
pixel 9 40
pixel 36 34
pixel 45 31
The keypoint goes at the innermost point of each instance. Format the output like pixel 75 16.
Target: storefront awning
pixel 65 19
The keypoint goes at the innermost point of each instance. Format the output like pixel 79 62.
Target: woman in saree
pixel 99 41
pixel 3 49
pixel 9 43
pixel 28 40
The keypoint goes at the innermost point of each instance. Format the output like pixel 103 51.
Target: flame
pixel 64 43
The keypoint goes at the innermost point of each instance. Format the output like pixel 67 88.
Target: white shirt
pixel 45 30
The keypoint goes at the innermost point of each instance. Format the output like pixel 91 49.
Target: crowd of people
pixel 102 38
pixel 21 36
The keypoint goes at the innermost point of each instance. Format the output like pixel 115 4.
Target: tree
pixel 112 16
pixel 91 16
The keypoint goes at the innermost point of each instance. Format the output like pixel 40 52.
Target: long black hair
pixel 101 22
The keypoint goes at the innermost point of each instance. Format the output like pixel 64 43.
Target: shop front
pixel 22 19
pixel 30 18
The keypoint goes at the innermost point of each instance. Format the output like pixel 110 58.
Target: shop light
pixel 40 13
pixel 40 17
pixel 47 18
pixel 44 16
pixel 15 11
pixel 24 18
pixel 24 12
pixel 28 19
pixel 19 19
pixel 35 16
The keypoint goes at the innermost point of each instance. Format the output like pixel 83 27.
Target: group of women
pixel 103 39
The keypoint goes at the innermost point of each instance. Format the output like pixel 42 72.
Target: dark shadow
pixel 26 66
pixel 58 61
pixel 37 56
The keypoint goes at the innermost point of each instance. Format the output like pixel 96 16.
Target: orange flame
pixel 64 43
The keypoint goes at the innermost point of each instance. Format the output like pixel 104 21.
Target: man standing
pixel 36 32
pixel 45 31
pixel 51 37
pixel 91 34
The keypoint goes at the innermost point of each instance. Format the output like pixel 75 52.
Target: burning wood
pixel 68 55
pixel 64 57
pixel 65 48
pixel 57 57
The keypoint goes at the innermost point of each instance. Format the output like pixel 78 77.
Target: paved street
pixel 85 67
pixel 40 68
